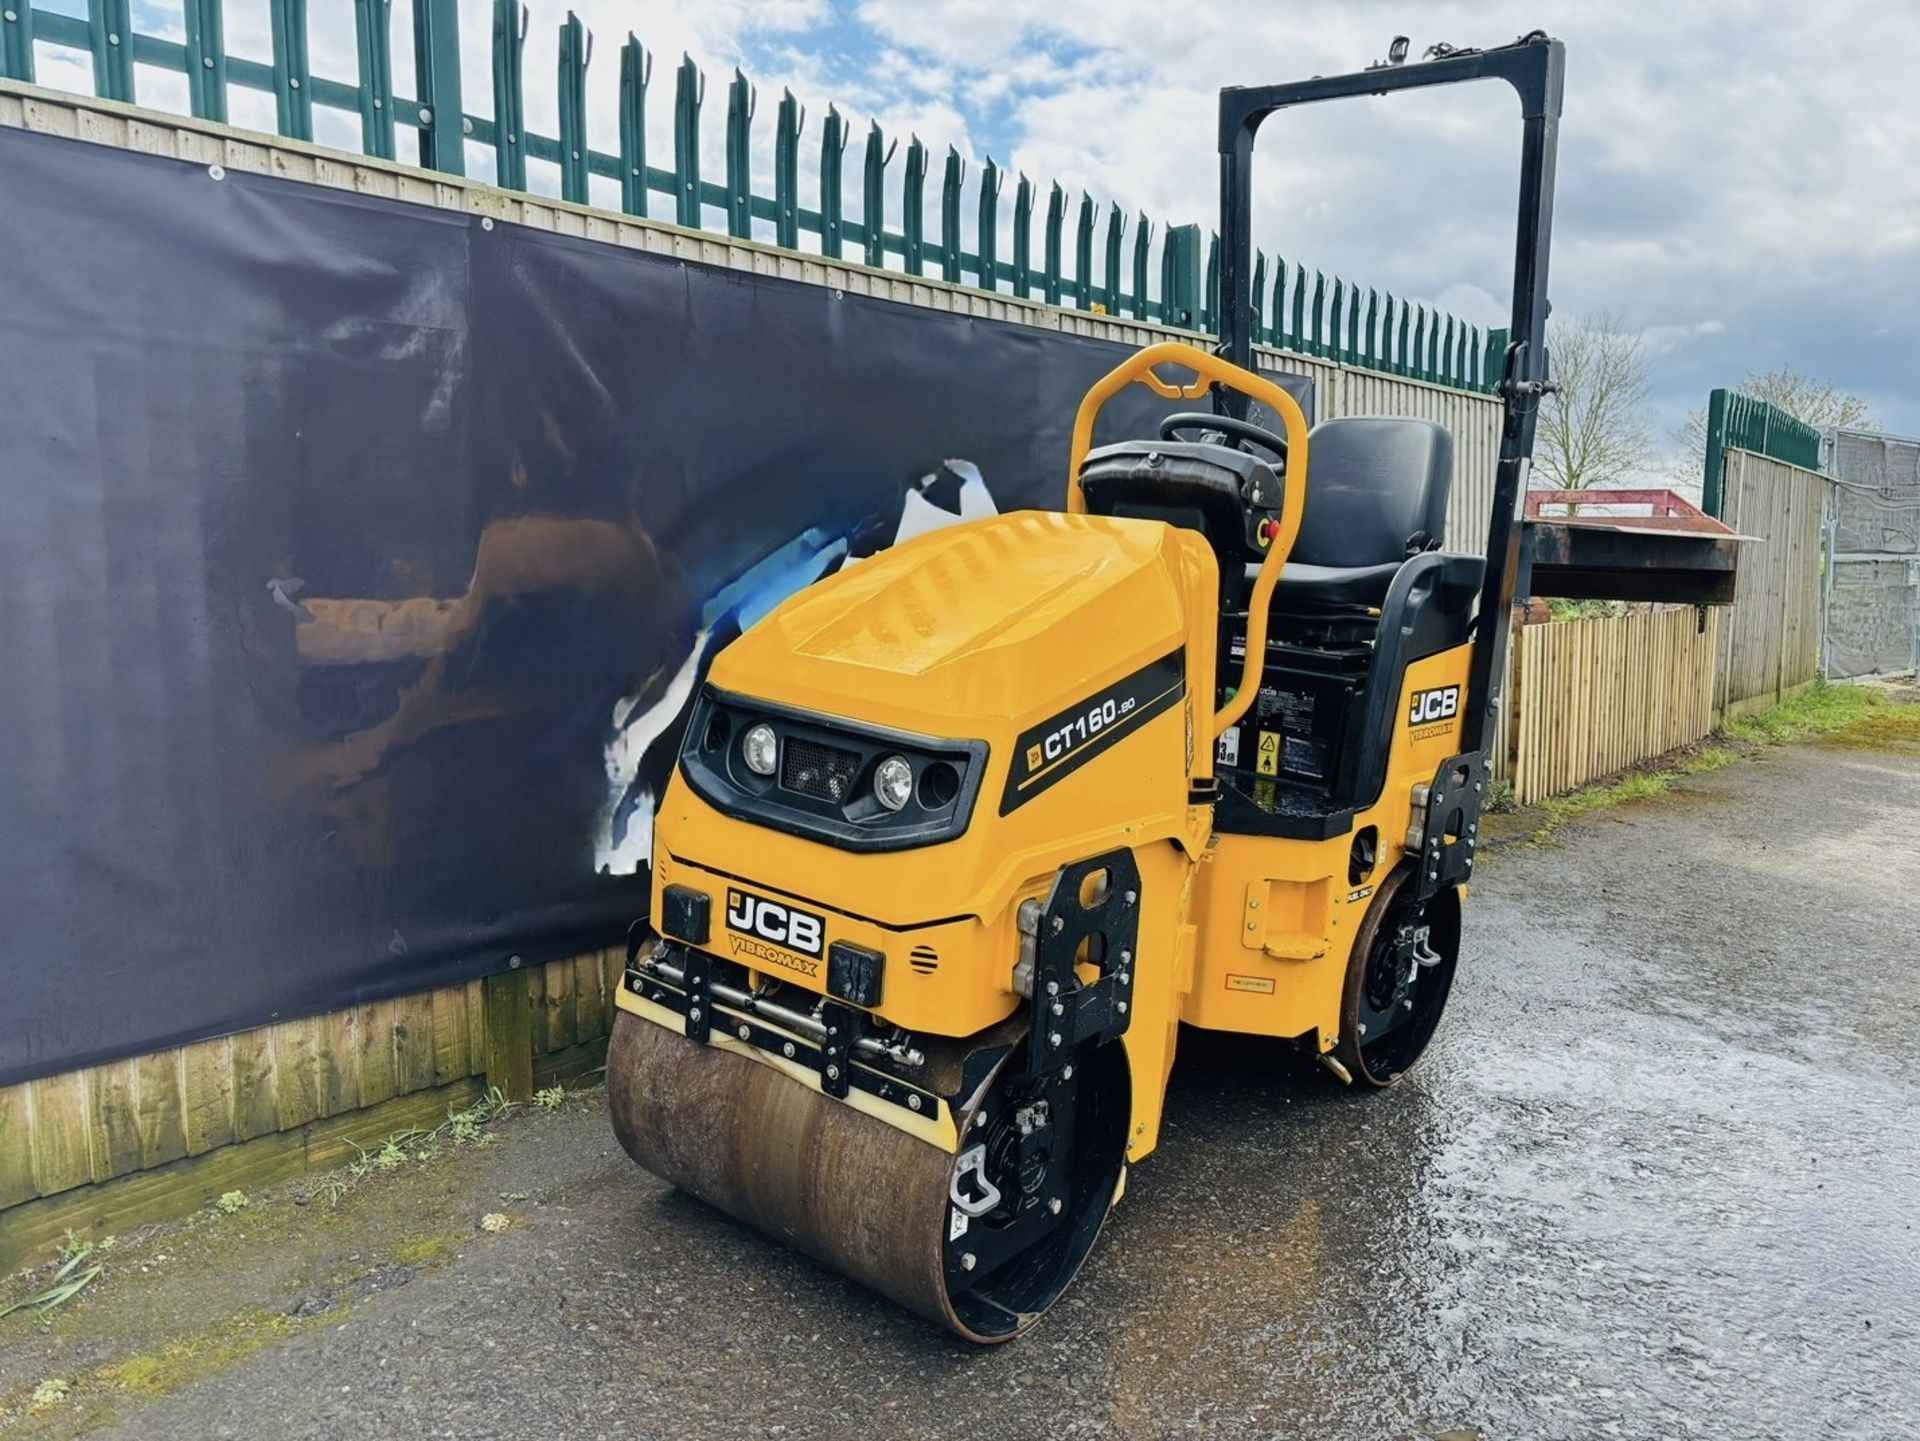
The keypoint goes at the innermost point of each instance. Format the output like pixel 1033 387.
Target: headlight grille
pixel 826 773
pixel 821 786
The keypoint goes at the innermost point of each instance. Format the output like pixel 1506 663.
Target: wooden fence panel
pixel 63 1132
pixel 1596 695
pixel 1772 636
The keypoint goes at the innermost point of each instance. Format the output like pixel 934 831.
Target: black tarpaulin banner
pixel 358 560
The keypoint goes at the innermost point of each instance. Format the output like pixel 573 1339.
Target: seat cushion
pixel 1303 587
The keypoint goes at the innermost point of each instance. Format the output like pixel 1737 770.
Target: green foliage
pixel 1561 809
pixel 551 1098
pixel 1559 608
pixel 69 1278
pixel 231 1203
pixel 51 1391
pixel 1821 709
pixel 465 1126
pixel 461 1128
pixel 1501 800
pixel 1708 758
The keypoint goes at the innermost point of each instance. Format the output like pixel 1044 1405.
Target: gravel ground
pixel 1658 1178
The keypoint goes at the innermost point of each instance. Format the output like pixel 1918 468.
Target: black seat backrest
pixel 1377 488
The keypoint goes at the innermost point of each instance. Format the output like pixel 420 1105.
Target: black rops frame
pixel 1535 66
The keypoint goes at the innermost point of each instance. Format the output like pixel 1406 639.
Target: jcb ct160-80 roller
pixel 961 836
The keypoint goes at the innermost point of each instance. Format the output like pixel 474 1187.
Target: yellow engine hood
pixel 962 630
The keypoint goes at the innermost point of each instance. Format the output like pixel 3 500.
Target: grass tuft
pixel 1561 809
pixel 1709 758
pixel 70 1277
pixel 461 1128
pixel 1821 709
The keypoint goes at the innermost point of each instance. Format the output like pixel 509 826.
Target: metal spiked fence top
pixel 1743 422
pixel 1309 314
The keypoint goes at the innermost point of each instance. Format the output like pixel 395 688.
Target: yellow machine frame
pixel 1238 933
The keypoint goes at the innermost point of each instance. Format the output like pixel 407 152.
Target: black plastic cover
pixel 855 974
pixel 1232 492
pixel 686 914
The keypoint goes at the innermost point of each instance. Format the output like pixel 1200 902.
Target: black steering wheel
pixel 1242 431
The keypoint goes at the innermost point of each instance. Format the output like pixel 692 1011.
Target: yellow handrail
pixel 1293 497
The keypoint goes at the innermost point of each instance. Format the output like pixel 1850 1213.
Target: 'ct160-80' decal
pixel 1061 744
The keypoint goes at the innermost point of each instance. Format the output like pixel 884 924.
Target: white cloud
pixel 1737 177
pixel 1663 338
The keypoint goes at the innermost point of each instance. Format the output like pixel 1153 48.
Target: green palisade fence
pixel 1740 422
pixel 1309 315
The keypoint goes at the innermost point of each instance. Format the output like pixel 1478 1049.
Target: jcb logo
pixel 797 930
pixel 1429 706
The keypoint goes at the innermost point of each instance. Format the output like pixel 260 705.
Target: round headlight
pixel 758 749
pixel 893 782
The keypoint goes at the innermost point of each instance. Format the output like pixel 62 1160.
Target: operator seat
pixel 1377 489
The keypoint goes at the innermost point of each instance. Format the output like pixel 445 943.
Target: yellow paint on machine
pixel 986 630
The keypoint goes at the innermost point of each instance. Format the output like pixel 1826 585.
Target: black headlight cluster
pixel 857 786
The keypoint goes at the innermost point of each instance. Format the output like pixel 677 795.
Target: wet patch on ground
pixel 1655 1179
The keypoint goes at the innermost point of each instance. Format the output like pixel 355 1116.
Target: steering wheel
pixel 1242 431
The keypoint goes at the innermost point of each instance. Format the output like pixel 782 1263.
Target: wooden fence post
pixel 510 1035
pixel 1787 538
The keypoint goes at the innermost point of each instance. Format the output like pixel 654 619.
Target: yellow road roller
pixel 960 837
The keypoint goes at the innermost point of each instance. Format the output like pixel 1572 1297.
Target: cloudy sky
pixel 1741 180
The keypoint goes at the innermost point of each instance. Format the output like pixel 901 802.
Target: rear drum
pixel 1399 976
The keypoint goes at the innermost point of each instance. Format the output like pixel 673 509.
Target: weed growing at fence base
pixel 461 1128
pixel 1561 809
pixel 68 1280
pixel 1709 758
pixel 1820 709
pixel 1849 714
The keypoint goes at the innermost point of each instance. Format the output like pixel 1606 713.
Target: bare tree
pixel 1819 403
pixel 1593 430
